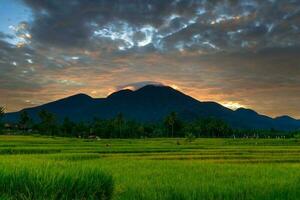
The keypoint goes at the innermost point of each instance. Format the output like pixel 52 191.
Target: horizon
pixel 236 53
pixel 155 85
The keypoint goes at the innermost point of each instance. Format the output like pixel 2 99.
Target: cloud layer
pixel 236 52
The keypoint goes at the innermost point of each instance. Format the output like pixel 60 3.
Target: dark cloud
pixel 74 22
pixel 170 24
pixel 240 51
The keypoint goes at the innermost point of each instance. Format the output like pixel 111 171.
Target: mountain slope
pixel 67 107
pixel 152 103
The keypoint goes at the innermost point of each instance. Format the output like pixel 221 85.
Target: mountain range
pixel 152 103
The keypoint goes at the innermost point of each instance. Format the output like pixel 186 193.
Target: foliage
pixel 119 122
pixel 190 137
pixel 120 127
pixel 25 121
pixel 2 112
pixel 48 122
pixel 68 127
pixel 172 124
pixel 297 135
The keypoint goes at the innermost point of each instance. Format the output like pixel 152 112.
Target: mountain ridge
pixel 152 103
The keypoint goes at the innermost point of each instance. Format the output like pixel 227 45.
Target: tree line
pixel 120 127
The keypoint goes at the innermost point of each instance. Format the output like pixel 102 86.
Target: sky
pixel 239 53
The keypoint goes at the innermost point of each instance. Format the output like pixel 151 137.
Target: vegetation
pixel 120 127
pixel 25 121
pixel 2 112
pixel 202 159
pixel 54 182
pixel 190 137
pixel 172 124
pixel 39 167
pixel 47 122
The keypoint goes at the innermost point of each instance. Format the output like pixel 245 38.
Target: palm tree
pixel 170 121
pixel 119 121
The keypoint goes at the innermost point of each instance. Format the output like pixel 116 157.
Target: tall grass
pixel 53 182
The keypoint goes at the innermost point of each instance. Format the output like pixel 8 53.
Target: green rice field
pixel 37 167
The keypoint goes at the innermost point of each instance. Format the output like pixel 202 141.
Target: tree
pixel 68 127
pixel 170 121
pixel 2 112
pixel 24 120
pixel 119 121
pixel 82 130
pixel 190 137
pixel 48 122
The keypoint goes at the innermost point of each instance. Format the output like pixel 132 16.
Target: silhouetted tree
pixel 171 121
pixel 82 130
pixel 2 112
pixel 119 121
pixel 119 127
pixel 48 122
pixel 67 127
pixel 24 121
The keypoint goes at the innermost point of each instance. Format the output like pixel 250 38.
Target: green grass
pixel 37 167
pixel 54 182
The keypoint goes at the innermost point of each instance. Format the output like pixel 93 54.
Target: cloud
pixel 4 36
pixel 239 52
pixel 137 85
pixel 166 25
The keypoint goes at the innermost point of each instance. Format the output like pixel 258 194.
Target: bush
pixel 190 137
pixel 297 135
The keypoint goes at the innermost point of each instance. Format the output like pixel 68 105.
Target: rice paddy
pixel 37 167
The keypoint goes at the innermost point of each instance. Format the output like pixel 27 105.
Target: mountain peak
pixel 79 99
pixel 120 93
pixel 284 117
pixel 152 86
pixel 246 111
pixel 79 96
pixel 157 88
pixel 149 89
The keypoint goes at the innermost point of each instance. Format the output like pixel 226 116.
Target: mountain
pixel 67 107
pixel 152 103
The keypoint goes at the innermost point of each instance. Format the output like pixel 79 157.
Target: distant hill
pixel 152 103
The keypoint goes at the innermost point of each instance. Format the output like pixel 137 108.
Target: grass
pixel 54 182
pixel 36 167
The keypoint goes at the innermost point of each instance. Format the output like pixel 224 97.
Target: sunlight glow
pixel 129 88
pixel 175 87
pixel 233 105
